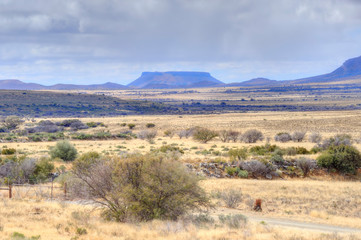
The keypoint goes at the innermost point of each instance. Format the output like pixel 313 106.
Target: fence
pixel 35 191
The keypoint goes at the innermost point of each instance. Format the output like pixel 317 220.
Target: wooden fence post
pixel 10 191
pixel 65 190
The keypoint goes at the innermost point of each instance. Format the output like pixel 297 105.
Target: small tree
pixel 140 187
pixel 131 125
pixel 252 136
pixel 224 135
pixel 342 158
pixel 204 135
pixel 64 150
pixel 233 135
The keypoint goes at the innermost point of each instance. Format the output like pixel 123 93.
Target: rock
pixel 269 176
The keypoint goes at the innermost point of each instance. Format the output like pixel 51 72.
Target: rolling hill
pixel 13 84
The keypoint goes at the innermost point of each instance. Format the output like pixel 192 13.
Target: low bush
pixel 315 137
pixel 257 168
pixel 8 151
pixel 343 158
pixel 238 154
pixel 233 221
pixel 232 198
pixel 242 174
pixel 64 150
pixel 306 165
pixel 204 135
pixel 252 136
pixel 131 125
pixel 263 150
pixel 298 136
pixel 147 135
pixel 150 125
pixel 283 137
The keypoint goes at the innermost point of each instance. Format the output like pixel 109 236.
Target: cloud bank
pixel 93 41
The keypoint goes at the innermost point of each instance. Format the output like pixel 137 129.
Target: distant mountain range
pixel 348 73
pixel 19 85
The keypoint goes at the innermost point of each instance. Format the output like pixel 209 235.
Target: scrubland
pixel 320 198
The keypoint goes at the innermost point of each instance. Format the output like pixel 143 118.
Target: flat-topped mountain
pixel 175 80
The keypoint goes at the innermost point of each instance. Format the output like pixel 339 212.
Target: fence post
pixel 52 183
pixel 10 191
pixel 65 190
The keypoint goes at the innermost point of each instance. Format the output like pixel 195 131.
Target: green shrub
pixel 204 135
pixel 232 170
pixel 238 153
pixel 8 151
pixel 131 125
pixel 64 150
pixel 263 150
pixel 43 168
pixel 169 148
pixel 342 158
pixel 242 174
pixel 150 125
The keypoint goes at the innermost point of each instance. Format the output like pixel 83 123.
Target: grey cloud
pixel 175 31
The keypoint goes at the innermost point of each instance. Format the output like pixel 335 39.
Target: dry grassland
pixel 55 221
pixel 270 123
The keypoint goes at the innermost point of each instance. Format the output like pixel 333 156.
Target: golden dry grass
pixel 55 221
pixel 270 123
pixel 332 202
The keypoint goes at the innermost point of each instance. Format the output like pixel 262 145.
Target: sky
pixel 97 41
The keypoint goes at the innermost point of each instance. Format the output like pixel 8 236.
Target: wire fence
pixel 47 191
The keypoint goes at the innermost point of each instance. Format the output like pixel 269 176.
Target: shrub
pixel 170 148
pixel 78 125
pixel 204 135
pixel 257 168
pixel 45 126
pixel 342 158
pixel 263 150
pixel 223 135
pixel 11 122
pixel 43 168
pixel 238 154
pixel 186 133
pixel 242 174
pixel 338 140
pixel 233 135
pixel 315 137
pixel 8 151
pixel 231 170
pixel 140 187
pixel 131 125
pixel 150 125
pixel 252 136
pixel 298 136
pixel 169 133
pixel 64 150
pixel 283 137
pixel 232 198
pixel 233 221
pixel 147 135
pixel 306 165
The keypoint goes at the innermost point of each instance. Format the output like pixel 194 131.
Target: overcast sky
pixel 95 41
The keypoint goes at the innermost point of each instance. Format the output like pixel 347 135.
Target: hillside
pixel 350 69
pixel 174 80
pixel 43 103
